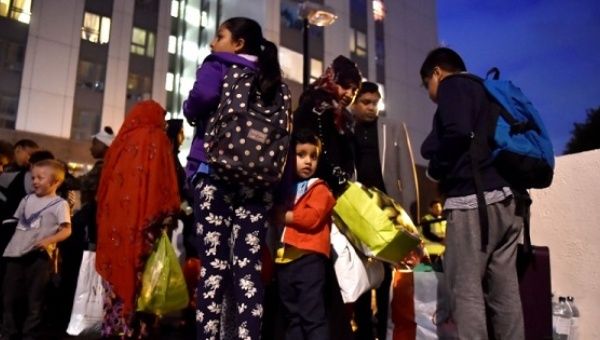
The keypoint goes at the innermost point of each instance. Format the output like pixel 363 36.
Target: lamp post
pixel 317 15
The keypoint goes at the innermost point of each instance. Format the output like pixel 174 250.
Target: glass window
pixel 104 30
pixel 95 28
pixel 8 111
pixel 138 85
pixel 175 8
pixel 172 44
pixel 90 75
pixel 4 7
pixel 19 10
pixel 12 56
pixel 143 42
pixel 85 123
pixel 169 82
pixel 151 44
pixel 358 43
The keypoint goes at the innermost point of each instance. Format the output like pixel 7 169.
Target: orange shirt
pixel 311 225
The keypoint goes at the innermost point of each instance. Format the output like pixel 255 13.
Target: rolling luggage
pixel 533 269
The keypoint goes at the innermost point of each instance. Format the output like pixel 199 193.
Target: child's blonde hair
pixel 58 168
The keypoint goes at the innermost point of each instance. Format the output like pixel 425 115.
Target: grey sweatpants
pixel 483 285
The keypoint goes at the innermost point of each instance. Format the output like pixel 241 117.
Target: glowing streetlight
pixel 317 15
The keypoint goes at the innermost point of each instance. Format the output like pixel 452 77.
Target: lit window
pixel 19 10
pixel 358 43
pixel 95 28
pixel 192 16
pixel 291 65
pixel 104 30
pixel 204 19
pixel 175 8
pixel 138 86
pixel 172 44
pixel 143 42
pixel 169 82
pixel 378 10
pixel 316 68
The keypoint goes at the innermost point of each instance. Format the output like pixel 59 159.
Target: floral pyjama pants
pixel 231 226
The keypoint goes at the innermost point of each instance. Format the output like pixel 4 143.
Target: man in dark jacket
pixel 479 264
pixel 368 172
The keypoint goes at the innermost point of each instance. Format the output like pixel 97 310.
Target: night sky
pixel 549 48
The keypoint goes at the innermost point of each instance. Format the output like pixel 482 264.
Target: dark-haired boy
pixel 303 257
pixel 369 172
pixel 22 151
pixel 480 270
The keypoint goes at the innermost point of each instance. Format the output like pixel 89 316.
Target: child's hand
pixel 43 244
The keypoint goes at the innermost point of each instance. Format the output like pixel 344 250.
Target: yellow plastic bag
pixel 163 285
pixel 376 224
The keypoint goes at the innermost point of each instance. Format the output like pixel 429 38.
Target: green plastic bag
pixel 375 223
pixel 163 285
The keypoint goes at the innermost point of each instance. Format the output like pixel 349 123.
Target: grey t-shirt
pixel 39 217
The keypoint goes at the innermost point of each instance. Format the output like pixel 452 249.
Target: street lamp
pixel 317 15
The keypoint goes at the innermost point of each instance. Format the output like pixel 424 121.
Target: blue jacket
pixel 204 98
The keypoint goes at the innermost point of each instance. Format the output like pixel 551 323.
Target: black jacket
pixel 368 162
pixel 336 163
pixel 462 110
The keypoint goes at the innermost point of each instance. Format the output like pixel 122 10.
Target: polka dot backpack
pixel 247 140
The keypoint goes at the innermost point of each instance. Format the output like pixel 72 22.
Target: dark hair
pixel 306 136
pixel 368 87
pixel 6 150
pixel 346 72
pixel 26 143
pixel 443 58
pixel 40 156
pixel 269 78
pixel 173 128
pixel 434 202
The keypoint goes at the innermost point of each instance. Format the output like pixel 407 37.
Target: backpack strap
pixel 481 204
pixel 523 205
pixel 478 138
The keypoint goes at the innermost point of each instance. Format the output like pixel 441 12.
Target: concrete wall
pixel 410 33
pixel 566 217
pixel 48 85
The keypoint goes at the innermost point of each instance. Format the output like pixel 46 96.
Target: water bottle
pixel 562 316
pixel 554 316
pixel 574 320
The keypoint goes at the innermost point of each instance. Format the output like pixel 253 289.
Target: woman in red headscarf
pixel 137 192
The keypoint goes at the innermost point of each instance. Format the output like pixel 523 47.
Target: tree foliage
pixel 585 136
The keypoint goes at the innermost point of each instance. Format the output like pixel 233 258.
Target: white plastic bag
pixel 177 242
pixel 419 306
pixel 87 313
pixel 355 273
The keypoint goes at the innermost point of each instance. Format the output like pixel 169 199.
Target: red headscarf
pixel 138 188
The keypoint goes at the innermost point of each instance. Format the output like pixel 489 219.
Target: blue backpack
pixel 523 152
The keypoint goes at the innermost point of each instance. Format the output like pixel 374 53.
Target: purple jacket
pixel 204 99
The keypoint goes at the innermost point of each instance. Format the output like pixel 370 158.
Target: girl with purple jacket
pixel 230 218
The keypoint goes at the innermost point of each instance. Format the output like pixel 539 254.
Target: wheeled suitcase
pixel 533 269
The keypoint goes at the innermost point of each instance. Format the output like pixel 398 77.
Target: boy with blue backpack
pixel 484 225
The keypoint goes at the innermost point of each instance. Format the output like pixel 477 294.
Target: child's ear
pixel 239 45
